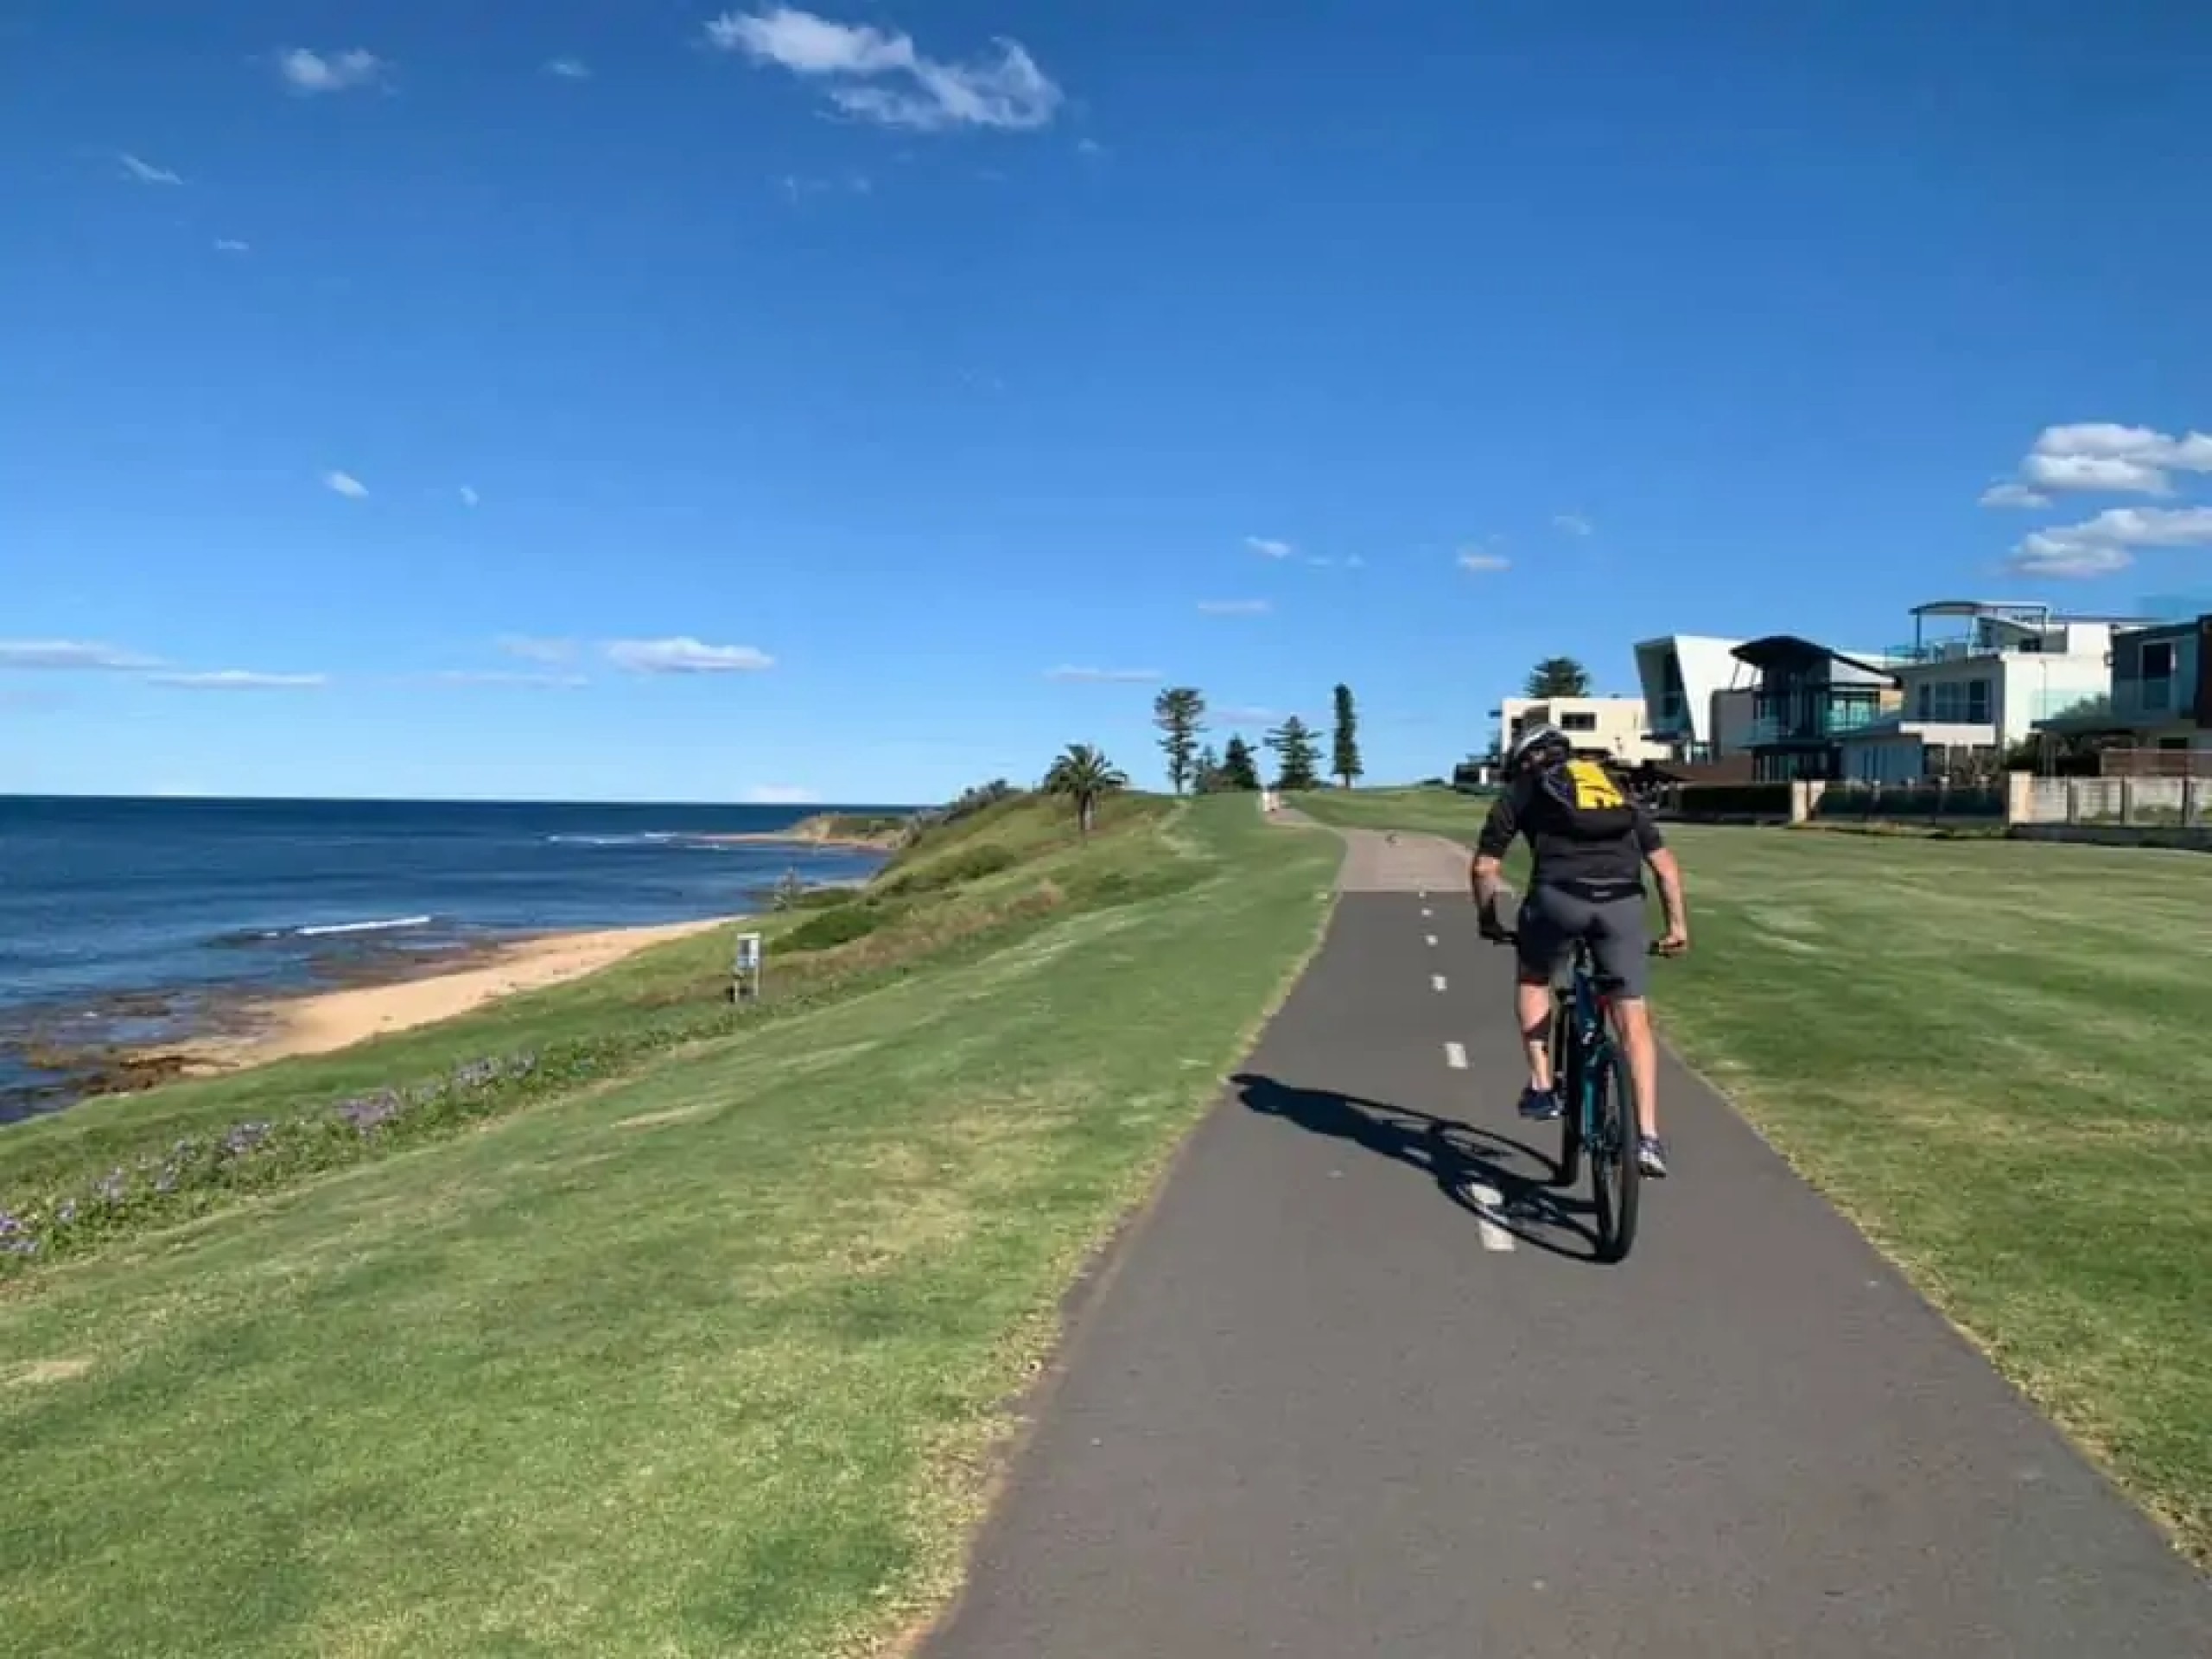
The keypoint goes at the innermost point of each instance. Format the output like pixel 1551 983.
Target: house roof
pixel 1782 646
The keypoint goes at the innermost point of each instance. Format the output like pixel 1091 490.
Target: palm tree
pixel 1085 775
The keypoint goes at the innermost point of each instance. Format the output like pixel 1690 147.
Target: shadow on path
pixel 1457 1156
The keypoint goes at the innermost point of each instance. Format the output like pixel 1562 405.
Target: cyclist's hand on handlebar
pixel 1673 943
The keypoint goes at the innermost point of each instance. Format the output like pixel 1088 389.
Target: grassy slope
pixel 707 1360
pixel 1991 1056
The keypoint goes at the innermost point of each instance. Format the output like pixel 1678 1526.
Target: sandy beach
pixel 324 1021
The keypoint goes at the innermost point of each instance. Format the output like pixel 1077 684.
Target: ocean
pixel 134 923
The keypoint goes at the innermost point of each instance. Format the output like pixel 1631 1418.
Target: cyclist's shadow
pixel 1457 1156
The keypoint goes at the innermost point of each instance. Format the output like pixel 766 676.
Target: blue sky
pixel 604 401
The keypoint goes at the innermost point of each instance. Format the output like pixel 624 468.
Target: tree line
pixel 1194 766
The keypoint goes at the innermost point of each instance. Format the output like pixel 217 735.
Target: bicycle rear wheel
pixel 1615 1175
pixel 1568 1089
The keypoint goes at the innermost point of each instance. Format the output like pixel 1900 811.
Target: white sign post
pixel 745 970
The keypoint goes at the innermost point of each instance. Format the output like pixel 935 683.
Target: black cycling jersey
pixel 1567 855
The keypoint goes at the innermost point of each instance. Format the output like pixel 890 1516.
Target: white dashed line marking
pixel 1424 894
pixel 1436 981
pixel 1495 1234
pixel 1427 913
pixel 1455 1056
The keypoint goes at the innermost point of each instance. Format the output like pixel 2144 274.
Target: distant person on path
pixel 1589 841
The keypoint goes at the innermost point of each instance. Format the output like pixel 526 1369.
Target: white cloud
pixel 781 795
pixel 468 496
pixel 231 245
pixel 1242 714
pixel 2101 458
pixel 346 485
pixel 1002 89
pixel 2100 545
pixel 532 649
pixel 1350 561
pixel 1475 559
pixel 146 172
pixel 569 68
pixel 1572 524
pixel 1268 547
pixel 685 655
pixel 239 679
pixel 72 655
pixel 311 72
pixel 1235 606
pixel 1106 675
pixel 1090 147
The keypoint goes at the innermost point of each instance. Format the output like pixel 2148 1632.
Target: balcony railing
pixel 1819 724
pixel 2155 700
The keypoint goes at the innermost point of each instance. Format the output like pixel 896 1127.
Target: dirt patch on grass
pixel 47 1372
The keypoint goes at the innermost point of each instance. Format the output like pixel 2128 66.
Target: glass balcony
pixel 1822 723
pixel 2146 700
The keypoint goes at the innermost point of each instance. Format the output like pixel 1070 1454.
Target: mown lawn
pixel 706 1360
pixel 1993 1055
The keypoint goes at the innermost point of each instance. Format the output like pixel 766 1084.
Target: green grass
pixel 1991 1056
pixel 709 1358
pixel 1437 812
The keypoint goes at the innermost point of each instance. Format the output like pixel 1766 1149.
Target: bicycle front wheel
pixel 1567 1087
pixel 1615 1175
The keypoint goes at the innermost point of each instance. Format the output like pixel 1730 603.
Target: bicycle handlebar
pixel 1512 936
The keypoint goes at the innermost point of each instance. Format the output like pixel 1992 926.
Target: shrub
pixel 840 925
pixel 1733 800
pixel 969 864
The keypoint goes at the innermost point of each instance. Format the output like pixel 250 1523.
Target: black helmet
pixel 1537 743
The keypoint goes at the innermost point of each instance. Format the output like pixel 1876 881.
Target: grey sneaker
pixel 1539 1105
pixel 1651 1156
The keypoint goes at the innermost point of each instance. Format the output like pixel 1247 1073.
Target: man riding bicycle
pixel 1590 842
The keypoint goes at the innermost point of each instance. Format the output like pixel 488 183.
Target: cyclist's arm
pixel 1661 858
pixel 1485 872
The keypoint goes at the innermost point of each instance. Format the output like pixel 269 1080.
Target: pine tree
pixel 1180 712
pixel 1206 779
pixel 1298 756
pixel 1239 769
pixel 1558 676
pixel 1344 763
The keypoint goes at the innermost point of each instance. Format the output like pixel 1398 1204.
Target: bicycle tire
pixel 1566 1084
pixel 1616 1177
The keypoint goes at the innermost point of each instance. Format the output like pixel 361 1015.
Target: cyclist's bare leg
pixel 1532 1011
pixel 1632 1021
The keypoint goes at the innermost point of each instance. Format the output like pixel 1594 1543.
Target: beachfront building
pixel 1978 676
pixel 1696 696
pixel 2158 697
pixel 1612 728
pixel 1807 698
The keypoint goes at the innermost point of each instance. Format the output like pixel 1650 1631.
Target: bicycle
pixel 1592 1076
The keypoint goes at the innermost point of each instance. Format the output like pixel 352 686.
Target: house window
pixel 2157 659
pixel 1923 704
pixel 1978 702
pixel 1578 722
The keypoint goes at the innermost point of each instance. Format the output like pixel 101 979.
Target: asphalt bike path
pixel 1355 1386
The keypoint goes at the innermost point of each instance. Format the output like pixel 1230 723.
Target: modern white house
pixel 1610 726
pixel 1977 677
pixel 1686 679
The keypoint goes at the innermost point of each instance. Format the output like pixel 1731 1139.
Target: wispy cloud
pixel 685 655
pixel 146 172
pixel 533 648
pixel 1090 147
pixel 314 72
pixel 72 655
pixel 1235 606
pixel 239 679
pixel 231 245
pixel 1332 562
pixel 1267 548
pixel 568 68
pixel 2100 458
pixel 1002 89
pixel 1480 561
pixel 2101 545
pixel 1243 715
pixel 796 187
pixel 1106 675
pixel 347 485
pixel 1572 524
pixel 468 496
pixel 781 795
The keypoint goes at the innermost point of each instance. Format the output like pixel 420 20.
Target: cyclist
pixel 1590 842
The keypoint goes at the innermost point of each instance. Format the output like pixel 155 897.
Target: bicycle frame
pixel 1588 1012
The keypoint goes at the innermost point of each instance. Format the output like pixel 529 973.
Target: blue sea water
pixel 123 920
